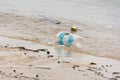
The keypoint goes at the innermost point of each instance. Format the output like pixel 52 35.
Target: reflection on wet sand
pixel 62 53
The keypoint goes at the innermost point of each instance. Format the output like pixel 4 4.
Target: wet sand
pixel 18 63
pixel 98 41
pixel 21 36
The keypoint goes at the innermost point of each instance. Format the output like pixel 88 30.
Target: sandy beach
pixel 22 36
pixel 28 48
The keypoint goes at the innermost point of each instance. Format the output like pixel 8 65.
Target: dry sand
pixel 33 33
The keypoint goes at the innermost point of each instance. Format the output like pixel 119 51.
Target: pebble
pixel 21 73
pixel 106 71
pixel 37 76
pixel 73 67
pixel 103 66
pixel 99 69
pixel 58 61
pixel 14 70
pixel 48 52
pixel 98 73
pixel 102 75
pixel 92 63
pixel 25 53
pixel 5 46
pixel 110 65
pixel 10 66
pixel 50 43
pixel 15 76
pixel 83 74
pixel 106 65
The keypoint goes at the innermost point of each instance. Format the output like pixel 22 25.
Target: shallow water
pixel 95 11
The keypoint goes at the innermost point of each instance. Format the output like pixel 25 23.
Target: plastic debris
pixel 43 49
pixel 63 41
pixel 25 53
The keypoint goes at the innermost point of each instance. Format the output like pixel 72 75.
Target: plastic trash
pixel 67 42
pixel 60 39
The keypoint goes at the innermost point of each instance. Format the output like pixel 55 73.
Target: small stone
pixel 83 74
pixel 110 65
pixel 58 61
pixel 9 74
pixel 0 71
pixel 106 71
pixel 48 52
pixel 10 66
pixel 50 43
pixel 15 76
pixel 98 73
pixel 106 65
pixel 101 74
pixel 92 63
pixel 103 66
pixel 99 68
pixel 25 53
pixel 5 46
pixel 75 66
pixel 37 76
pixel 14 70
